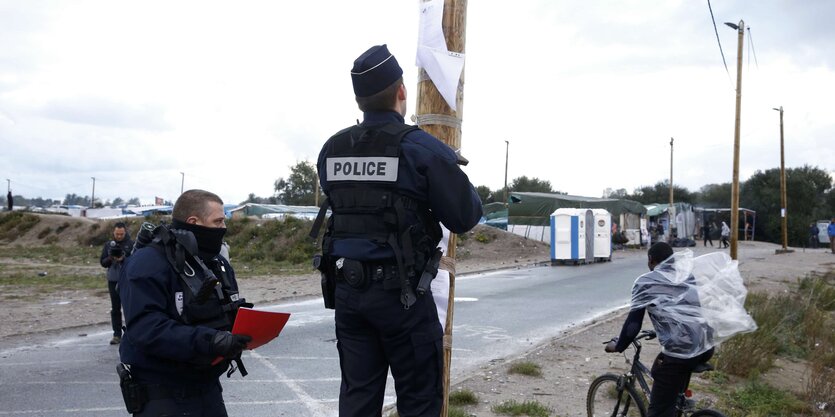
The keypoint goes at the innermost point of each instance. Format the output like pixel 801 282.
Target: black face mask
pixel 209 239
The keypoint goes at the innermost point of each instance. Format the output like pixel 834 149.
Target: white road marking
pixel 316 408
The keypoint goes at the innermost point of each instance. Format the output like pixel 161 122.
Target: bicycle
pixel 616 395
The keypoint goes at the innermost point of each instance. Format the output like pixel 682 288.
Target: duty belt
pixel 359 274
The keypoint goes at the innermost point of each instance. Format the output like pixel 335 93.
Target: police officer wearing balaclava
pixel 388 185
pixel 180 298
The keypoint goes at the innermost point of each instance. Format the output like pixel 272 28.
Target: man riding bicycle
pixel 686 339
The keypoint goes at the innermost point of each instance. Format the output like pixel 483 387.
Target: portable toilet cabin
pixel 572 236
pixel 602 235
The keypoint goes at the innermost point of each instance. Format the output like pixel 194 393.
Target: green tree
pixel 660 193
pixel 714 195
pixel 73 199
pixel 118 201
pixel 485 194
pixel 134 202
pixel 299 189
pixel 806 194
pixel 619 193
pixel 530 185
pixel 252 198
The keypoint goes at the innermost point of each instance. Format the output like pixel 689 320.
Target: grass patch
pixel 484 237
pixel 52 281
pixel 43 233
pixel 797 324
pixel 63 227
pixel 525 408
pixel 757 399
pixel 463 397
pixel 454 411
pixel 15 224
pixel 525 368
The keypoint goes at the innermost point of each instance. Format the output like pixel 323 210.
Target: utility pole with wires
pixel 740 28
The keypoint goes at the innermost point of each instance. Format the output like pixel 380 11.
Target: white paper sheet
pixel 443 66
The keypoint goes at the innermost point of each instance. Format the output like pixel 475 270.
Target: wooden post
pixel 438 119
pixel 672 210
pixel 784 211
pixel 735 183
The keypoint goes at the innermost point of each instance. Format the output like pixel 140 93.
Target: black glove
pixel 229 345
pixel 610 346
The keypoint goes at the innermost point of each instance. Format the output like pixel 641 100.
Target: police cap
pixel 374 70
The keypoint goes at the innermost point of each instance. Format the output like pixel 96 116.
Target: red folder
pixel 261 326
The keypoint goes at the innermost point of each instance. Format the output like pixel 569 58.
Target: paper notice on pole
pixel 443 66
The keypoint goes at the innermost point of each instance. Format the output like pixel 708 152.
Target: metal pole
pixel 735 183
pixel 506 151
pixel 8 185
pixel 672 210
pixel 93 197
pixel 182 181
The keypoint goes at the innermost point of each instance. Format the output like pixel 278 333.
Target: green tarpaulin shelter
pixel 536 208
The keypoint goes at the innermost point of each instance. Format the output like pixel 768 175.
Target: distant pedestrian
pixel 726 234
pixel 10 200
pixel 113 254
pixel 706 231
pixel 831 231
pixel 813 236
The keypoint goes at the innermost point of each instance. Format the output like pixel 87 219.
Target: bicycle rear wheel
pixel 605 399
pixel 706 413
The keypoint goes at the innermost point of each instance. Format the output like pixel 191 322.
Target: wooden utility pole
pixel 672 209
pixel 784 212
pixel 438 119
pixel 93 196
pixel 735 183
pixel 506 152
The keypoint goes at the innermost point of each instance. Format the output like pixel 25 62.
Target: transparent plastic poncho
pixel 694 303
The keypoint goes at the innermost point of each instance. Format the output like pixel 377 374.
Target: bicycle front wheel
pixel 706 413
pixel 605 398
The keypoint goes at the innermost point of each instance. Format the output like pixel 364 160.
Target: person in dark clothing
pixel 685 338
pixel 180 299
pixel 388 185
pixel 113 255
pixel 706 229
pixel 10 200
pixel 813 236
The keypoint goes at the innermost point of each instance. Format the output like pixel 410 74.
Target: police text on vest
pixel 370 168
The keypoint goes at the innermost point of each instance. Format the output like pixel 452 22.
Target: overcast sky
pixel 234 93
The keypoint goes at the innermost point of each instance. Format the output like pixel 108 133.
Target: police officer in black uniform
pixel 180 300
pixel 388 185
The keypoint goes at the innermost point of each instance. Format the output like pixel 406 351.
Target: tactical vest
pixel 208 297
pixel 361 169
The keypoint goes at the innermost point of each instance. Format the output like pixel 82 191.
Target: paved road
pixel 497 314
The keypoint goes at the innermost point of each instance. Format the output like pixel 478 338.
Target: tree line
pixel 70 200
pixel 810 196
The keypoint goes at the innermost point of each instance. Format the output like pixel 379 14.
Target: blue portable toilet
pixel 572 236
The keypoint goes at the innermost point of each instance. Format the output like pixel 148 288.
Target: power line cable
pixel 713 19
pixel 752 49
